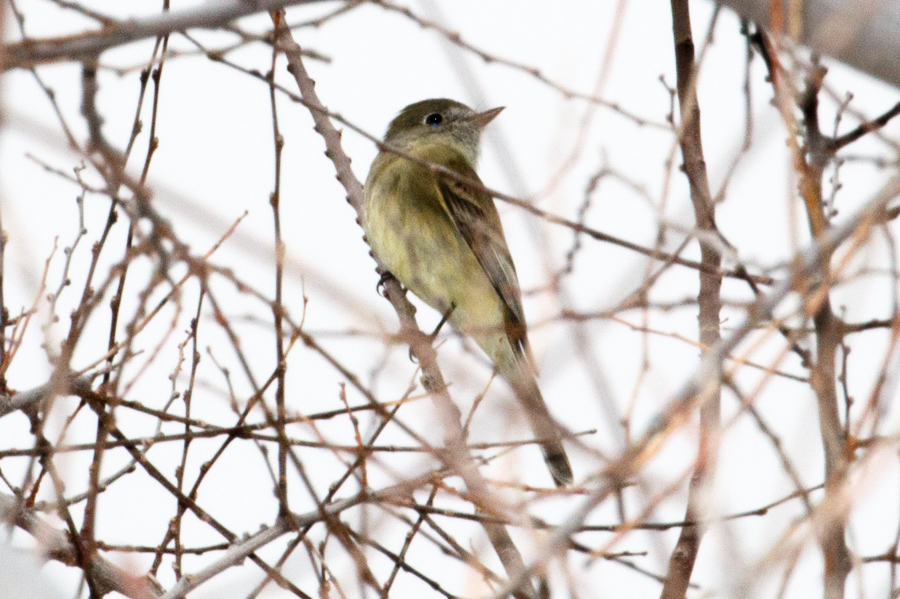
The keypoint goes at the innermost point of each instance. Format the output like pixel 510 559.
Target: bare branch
pixel 210 15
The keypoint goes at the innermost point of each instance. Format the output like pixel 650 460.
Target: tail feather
pixel 544 427
pixel 515 364
pixel 558 463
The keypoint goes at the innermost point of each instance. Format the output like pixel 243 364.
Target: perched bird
pixel 442 239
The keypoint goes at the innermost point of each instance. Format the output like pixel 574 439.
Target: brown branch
pixel 186 501
pixel 242 548
pixel 836 143
pixel 807 263
pixel 30 52
pixel 684 555
pixel 828 333
pixel 538 523
pixel 456 455
pixel 58 545
pixel 455 38
pixel 810 162
pixel 281 490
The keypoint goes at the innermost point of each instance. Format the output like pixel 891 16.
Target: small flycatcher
pixel 442 239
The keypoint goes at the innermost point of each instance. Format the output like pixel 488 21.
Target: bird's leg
pixel 437 329
pixel 443 321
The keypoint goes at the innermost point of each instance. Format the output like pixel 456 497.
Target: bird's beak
pixel 483 118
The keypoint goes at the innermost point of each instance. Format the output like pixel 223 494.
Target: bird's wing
pixel 476 218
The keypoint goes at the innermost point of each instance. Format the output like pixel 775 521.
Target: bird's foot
pixel 382 281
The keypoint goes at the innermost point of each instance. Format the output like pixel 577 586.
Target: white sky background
pixel 215 161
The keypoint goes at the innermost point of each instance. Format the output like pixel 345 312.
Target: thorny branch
pixel 456 457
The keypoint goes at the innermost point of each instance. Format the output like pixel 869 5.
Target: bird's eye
pixel 433 120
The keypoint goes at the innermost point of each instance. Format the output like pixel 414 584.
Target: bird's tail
pixel 542 424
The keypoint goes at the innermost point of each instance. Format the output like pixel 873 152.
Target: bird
pixel 443 240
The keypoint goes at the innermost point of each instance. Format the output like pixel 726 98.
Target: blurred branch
pixel 862 34
pixel 209 15
pixel 703 383
pixel 245 547
pixel 107 576
pixel 454 37
pixel 875 124
pixel 29 400
pixel 810 162
pixel 823 374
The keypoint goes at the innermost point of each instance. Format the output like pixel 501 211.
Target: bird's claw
pixel 382 281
